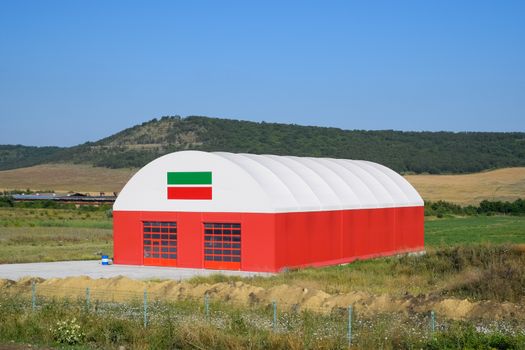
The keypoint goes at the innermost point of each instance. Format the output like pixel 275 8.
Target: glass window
pixel 236 252
pixel 217 258
pixel 155 236
pixel 208 251
pixel 164 250
pixel 147 229
pixel 208 258
pixel 236 225
pixel 173 243
pixel 173 250
pixel 173 230
pixel 227 258
pixel 155 255
pixel 155 229
pixel 173 256
pixel 147 241
pixel 164 242
pixel 164 256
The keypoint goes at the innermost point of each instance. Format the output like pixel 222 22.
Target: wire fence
pixel 156 307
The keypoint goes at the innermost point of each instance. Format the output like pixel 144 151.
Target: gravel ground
pixel 94 269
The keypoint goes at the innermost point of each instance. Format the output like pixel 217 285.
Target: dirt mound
pixel 287 297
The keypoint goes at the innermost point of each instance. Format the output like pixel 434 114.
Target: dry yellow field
pixel 501 184
pixel 66 177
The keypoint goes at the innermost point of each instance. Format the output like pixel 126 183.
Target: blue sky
pixel 77 71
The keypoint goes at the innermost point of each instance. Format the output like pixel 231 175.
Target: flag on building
pixel 190 185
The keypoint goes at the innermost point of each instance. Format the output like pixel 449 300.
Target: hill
pixel 406 152
pixel 502 184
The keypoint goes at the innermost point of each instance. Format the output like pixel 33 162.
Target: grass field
pixel 30 235
pixel 474 230
pixel 502 184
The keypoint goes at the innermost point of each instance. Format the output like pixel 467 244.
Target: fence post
pixel 350 325
pixel 145 308
pixel 88 298
pixel 432 321
pixel 206 305
pixel 33 295
pixel 274 315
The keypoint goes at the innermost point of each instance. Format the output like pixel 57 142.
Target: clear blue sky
pixel 76 71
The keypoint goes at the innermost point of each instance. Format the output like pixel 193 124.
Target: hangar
pixel 219 210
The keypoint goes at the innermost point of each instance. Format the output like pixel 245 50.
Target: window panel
pixel 223 235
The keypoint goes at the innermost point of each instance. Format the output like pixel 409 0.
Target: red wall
pixel 334 237
pixel 271 242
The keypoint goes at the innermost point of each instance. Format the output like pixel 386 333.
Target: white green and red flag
pixel 190 185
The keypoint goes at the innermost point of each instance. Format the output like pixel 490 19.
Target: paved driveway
pixel 93 269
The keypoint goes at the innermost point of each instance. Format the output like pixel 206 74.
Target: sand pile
pixel 292 297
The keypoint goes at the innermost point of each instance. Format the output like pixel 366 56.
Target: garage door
pixel 222 245
pixel 160 243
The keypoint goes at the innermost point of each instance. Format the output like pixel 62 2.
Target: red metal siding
pixel 271 242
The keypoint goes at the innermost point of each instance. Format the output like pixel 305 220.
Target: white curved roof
pixel 269 184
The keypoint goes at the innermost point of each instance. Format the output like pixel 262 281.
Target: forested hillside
pixel 18 156
pixel 418 152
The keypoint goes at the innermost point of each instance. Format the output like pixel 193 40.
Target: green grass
pixel 32 235
pixel 474 230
